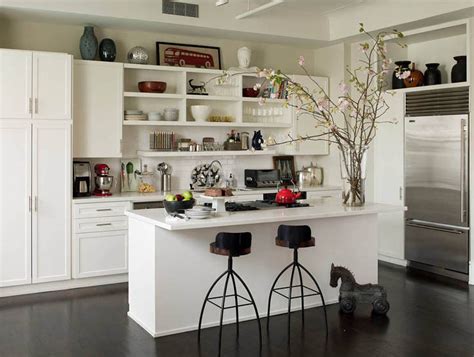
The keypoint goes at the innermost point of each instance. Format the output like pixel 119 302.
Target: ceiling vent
pixel 180 8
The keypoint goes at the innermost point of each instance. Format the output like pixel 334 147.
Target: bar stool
pixel 231 245
pixel 295 237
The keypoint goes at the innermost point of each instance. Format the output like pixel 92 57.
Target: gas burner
pixel 238 207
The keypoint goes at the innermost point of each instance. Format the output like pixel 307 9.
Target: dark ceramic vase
pixel 402 66
pixel 107 50
pixel 88 44
pixel 432 74
pixel 459 71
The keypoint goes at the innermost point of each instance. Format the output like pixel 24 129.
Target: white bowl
pixel 201 112
pixel 155 116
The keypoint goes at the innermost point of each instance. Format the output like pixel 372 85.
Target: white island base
pixel 171 268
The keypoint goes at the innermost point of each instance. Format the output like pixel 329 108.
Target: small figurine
pixel 257 140
pixel 199 89
pixel 351 293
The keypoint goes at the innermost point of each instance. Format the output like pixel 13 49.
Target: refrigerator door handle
pixel 436 227
pixel 463 169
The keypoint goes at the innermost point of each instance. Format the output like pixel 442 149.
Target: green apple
pixel 170 197
pixel 187 196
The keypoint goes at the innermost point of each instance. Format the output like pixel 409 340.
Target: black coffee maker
pixel 82 178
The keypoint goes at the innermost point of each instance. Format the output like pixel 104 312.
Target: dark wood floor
pixel 427 318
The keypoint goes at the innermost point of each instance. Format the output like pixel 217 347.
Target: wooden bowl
pixel 152 87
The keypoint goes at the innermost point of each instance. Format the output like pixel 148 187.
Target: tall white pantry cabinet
pixel 35 157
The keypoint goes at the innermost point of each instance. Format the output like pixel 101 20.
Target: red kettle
pixel 285 196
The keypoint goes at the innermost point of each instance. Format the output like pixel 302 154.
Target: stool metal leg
pixel 229 273
pixel 254 306
pixel 236 304
pixel 322 297
pixel 205 302
pixel 289 298
pixel 302 292
pixel 271 292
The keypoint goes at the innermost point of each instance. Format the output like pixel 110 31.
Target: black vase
pixel 432 74
pixel 459 70
pixel 402 66
pixel 107 50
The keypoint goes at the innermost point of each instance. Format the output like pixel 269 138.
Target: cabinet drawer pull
pixel 103 224
pixel 103 209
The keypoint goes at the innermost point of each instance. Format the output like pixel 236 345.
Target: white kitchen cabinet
pixel 16 96
pixel 100 253
pixel 304 124
pixel 51 201
pixel 100 239
pixel 35 85
pixel 52 83
pixel 389 180
pixel 15 203
pixel 98 109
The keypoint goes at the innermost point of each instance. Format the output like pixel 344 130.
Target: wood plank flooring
pixel 427 318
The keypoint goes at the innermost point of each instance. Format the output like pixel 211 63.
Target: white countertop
pixel 320 208
pixel 159 196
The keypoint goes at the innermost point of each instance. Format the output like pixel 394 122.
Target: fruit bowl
pixel 152 86
pixel 178 206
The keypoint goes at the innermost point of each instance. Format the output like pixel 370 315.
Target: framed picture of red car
pixel 181 55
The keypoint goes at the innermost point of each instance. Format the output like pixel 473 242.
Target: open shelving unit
pixel 433 44
pixel 225 100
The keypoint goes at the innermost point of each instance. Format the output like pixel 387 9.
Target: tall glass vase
pixel 353 174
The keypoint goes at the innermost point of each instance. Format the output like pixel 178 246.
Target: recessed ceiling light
pixel 221 2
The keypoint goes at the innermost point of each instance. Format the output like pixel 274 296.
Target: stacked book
pixel 162 140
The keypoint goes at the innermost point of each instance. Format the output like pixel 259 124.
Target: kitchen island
pixel 171 268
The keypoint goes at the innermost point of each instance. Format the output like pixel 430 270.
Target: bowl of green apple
pixel 178 203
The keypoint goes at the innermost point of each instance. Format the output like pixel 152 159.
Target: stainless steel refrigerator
pixel 436 184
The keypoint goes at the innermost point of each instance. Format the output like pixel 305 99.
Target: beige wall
pixel 65 38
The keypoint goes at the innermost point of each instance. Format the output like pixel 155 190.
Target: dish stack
pixel 199 212
pixel 135 115
pixel 162 140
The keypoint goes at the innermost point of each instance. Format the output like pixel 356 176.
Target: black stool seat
pixel 295 237
pixel 230 245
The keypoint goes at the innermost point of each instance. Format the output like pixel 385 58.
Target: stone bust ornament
pixel 244 55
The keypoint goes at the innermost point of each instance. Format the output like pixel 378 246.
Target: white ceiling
pixel 305 22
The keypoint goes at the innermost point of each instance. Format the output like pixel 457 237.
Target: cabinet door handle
pixel 103 209
pixel 36 203
pixel 30 105
pixel 401 193
pixel 103 224
pixel 29 203
pixel 36 105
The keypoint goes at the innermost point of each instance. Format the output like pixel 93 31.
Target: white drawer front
pixel 99 254
pixel 106 209
pixel 102 224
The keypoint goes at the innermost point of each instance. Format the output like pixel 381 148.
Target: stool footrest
pixel 313 292
pixel 247 301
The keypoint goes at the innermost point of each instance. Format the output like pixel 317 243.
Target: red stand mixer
pixel 103 181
